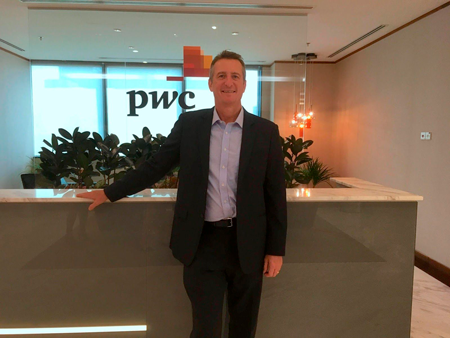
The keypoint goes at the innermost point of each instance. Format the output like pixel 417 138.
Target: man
pixel 230 218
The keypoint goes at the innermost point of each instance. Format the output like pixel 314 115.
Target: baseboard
pixel 433 268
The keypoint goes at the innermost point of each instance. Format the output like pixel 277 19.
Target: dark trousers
pixel 216 269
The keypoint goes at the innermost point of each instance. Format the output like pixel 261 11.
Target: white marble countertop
pixel 357 191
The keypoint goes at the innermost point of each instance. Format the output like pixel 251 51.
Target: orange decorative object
pixel 195 64
pixel 308 122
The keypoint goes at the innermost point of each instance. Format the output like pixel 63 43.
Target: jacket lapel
pixel 248 138
pixel 204 134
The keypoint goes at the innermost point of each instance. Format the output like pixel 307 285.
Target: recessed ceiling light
pixel 131 47
pixel 135 51
pixel 175 35
pixel 235 33
pixel 144 61
pixel 117 30
pixel 214 27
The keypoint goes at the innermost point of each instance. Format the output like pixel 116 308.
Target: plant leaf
pixel 97 137
pixel 145 132
pixel 54 142
pixel 65 133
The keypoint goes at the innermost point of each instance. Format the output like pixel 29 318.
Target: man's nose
pixel 228 81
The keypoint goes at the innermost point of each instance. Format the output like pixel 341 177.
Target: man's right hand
pixel 98 196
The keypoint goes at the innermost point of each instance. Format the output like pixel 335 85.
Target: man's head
pixel 227 79
pixel 226 54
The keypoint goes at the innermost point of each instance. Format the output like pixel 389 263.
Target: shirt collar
pixel 239 120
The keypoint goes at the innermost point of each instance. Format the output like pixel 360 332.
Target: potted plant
pixel 294 157
pixel 110 161
pixel 54 161
pixel 29 178
pixel 315 171
pixel 71 156
pixel 142 149
pixel 81 158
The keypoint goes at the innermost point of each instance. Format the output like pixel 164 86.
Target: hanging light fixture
pixel 302 118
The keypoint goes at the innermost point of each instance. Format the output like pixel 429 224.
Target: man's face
pixel 228 82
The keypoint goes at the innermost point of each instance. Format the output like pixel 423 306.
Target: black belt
pixel 223 223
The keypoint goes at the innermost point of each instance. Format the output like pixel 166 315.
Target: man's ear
pixel 245 84
pixel 210 84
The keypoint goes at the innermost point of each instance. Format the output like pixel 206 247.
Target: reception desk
pixel 348 270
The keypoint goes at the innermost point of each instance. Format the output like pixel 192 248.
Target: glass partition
pixel 115 72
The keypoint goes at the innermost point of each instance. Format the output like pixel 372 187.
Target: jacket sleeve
pixel 150 171
pixel 275 198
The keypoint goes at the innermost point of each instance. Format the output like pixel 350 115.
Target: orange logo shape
pixel 195 64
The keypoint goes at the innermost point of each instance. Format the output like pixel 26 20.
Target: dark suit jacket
pixel 261 193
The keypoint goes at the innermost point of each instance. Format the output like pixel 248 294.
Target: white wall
pixel 16 119
pixel 387 94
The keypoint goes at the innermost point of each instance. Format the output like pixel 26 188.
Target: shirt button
pixel 224 201
pixel 225 149
pixel 226 133
pixel 223 167
pixel 223 184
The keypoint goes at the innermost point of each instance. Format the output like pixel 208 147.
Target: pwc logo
pixel 195 64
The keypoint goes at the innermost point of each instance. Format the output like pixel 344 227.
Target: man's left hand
pixel 272 265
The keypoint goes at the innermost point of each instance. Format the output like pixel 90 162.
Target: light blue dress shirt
pixel 224 151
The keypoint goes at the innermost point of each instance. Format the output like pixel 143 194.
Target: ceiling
pixel 268 31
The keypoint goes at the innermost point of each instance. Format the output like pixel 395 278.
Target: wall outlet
pixel 425 136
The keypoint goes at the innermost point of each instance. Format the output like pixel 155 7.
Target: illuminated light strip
pixel 80 329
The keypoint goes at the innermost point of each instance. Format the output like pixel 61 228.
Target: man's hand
pixel 272 265
pixel 98 196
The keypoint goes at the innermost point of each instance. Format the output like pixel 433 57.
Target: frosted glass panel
pixel 66 96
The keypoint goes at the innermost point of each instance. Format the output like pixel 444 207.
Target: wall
pixel 387 94
pixel 323 97
pixel 16 119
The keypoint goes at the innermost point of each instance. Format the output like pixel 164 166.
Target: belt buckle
pixel 230 220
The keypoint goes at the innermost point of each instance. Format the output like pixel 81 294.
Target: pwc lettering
pixel 156 102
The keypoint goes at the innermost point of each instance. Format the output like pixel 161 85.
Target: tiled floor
pixel 431 307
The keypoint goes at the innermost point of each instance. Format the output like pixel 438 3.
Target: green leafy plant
pixel 81 158
pixel 71 156
pixel 294 157
pixel 140 149
pixel 81 153
pixel 33 166
pixel 110 160
pixel 54 160
pixel 316 172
